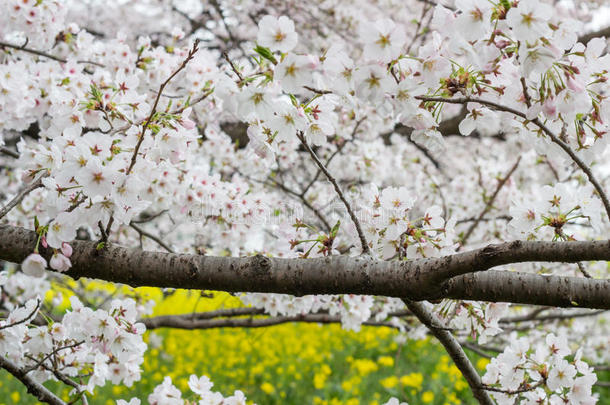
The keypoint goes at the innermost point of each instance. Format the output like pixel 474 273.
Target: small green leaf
pixel 294 100
pixel 333 232
pixel 265 53
pixel 100 246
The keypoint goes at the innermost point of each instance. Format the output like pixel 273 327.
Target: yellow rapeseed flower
pixel 364 366
pixel 461 384
pixel 482 363
pixel 267 388
pixel 389 382
pixel 319 380
pixel 427 397
pixel 386 361
pixel 414 380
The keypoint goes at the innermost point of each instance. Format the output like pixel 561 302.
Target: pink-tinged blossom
pixel 561 375
pixel 62 229
pixel 383 40
pixel 372 82
pixel 529 20
pixel 294 72
pixel 34 265
pixel 200 385
pixel 95 179
pixel 473 21
pixel 66 249
pixel 277 34
pixel 60 263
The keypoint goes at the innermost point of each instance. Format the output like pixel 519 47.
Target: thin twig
pixel 489 204
pixel 317 91
pixel 233 67
pixel 554 317
pixel 476 349
pixel 189 57
pixel 543 128
pixel 142 232
pixel 148 218
pixel 187 322
pixel 27 318
pixel 9 152
pixel 36 389
pixel 365 246
pixel 49 355
pixel 44 54
pixel 330 159
pixel 582 269
pixel 19 197
pixel 513 392
pixel 418 29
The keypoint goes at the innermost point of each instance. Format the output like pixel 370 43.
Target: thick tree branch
pixel 417 279
pixel 525 288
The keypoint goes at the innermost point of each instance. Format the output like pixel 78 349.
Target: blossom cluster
pixel 168 394
pixel 541 373
pixel 203 142
pixel 104 345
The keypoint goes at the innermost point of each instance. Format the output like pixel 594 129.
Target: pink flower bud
pixel 66 249
pixel 575 85
pixel 550 108
pixel 187 123
pixel 43 242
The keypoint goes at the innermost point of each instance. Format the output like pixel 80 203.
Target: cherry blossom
pixel 34 265
pixel 230 134
pixel 277 34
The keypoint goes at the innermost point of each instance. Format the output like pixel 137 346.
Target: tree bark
pixel 418 279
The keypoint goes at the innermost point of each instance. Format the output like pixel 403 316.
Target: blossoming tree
pixel 410 164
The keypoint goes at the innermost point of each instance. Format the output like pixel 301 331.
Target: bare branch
pixel 44 54
pixel 22 194
pixel 9 152
pixel 551 317
pixel 489 204
pixel 149 235
pixel 365 246
pixel 189 57
pixel 586 169
pixel 453 349
pixel 603 33
pixel 27 318
pixel 186 322
pixel 51 354
pixel 331 157
pixel 36 389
